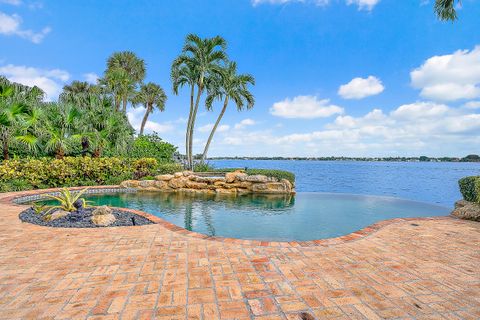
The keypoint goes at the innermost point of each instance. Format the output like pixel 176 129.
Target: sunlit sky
pixel 333 77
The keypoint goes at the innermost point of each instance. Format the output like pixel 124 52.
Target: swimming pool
pixel 302 217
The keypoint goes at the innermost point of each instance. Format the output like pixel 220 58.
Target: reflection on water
pixel 199 207
pixel 304 216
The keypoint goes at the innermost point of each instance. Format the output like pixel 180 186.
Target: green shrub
pixel 203 167
pixel 470 188
pixel 25 174
pixel 152 146
pixel 169 168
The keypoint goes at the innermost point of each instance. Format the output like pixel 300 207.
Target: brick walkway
pixel 425 269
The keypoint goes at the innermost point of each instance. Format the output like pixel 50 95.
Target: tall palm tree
pixel 152 96
pixel 229 86
pixel 445 9
pixel 77 92
pixel 204 57
pixel 133 73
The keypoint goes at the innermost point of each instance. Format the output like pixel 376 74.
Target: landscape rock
pixel 236 175
pixel 178 174
pixel 257 178
pixel 164 177
pixel 270 187
pixel 147 183
pixel 162 184
pixel 226 191
pixel 467 210
pixel 178 182
pixel 188 173
pixel 130 184
pixel 57 215
pixel 101 211
pixel 103 220
pixel 195 185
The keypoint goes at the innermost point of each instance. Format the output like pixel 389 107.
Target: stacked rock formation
pixel 237 182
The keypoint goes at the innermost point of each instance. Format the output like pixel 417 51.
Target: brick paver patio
pixel 421 269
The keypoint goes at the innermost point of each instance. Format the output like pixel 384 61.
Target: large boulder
pixel 178 182
pixel 103 220
pixel 102 210
pixel 162 185
pixel 178 174
pixel 467 210
pixel 147 183
pixel 226 191
pixel 130 184
pixel 195 185
pixel 270 187
pixel 187 173
pixel 56 215
pixel 164 177
pixel 235 175
pixel 257 178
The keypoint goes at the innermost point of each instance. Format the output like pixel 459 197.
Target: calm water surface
pixel 305 216
pixel 433 182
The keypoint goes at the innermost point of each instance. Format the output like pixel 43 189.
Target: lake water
pixel 432 182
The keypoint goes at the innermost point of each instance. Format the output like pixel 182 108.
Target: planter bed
pixel 123 218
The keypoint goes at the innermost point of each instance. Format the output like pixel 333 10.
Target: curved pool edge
pixel 9 198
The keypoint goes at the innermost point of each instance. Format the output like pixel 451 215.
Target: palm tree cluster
pixel 204 68
pixel 82 121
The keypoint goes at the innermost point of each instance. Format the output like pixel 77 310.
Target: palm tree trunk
pixel 192 126
pixel 124 104
pixel 85 146
pixel 187 133
pixel 117 103
pixel 5 149
pixel 60 153
pixel 145 117
pixel 225 103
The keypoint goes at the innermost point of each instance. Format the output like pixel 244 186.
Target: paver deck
pixel 425 269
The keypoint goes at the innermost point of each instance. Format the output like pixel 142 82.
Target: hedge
pixel 25 174
pixel 470 188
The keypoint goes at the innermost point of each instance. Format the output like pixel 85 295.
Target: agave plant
pixel 67 200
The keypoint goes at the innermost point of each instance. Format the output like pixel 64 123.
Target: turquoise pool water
pixel 305 216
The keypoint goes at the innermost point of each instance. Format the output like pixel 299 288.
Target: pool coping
pixel 9 198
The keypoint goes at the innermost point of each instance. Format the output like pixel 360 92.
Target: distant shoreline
pixel 471 158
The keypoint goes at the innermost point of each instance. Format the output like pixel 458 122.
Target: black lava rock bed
pixel 82 219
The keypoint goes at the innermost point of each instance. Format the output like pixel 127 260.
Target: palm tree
pixel 133 73
pixel 13 106
pixel 229 86
pixel 200 58
pixel 445 9
pixel 77 92
pixel 59 128
pixel 152 96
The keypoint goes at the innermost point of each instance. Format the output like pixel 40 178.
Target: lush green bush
pixel 27 174
pixel 152 146
pixel 470 188
pixel 169 168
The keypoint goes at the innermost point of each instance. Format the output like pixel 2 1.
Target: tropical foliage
pixel 151 96
pixel 67 200
pixel 203 67
pixel 445 9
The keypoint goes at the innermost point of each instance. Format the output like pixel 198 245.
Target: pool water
pixel 304 216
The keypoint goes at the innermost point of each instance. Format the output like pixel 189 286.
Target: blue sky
pixel 333 77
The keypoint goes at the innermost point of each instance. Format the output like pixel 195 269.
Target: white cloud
pixel 316 2
pixel 359 88
pixel 449 77
pixel 306 107
pixel 51 81
pixel 91 77
pixel 135 117
pixel 472 105
pixel 364 4
pixel 420 128
pixel 244 123
pixel 209 127
pixel 12 25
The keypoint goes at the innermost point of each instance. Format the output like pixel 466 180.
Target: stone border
pixel 357 235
